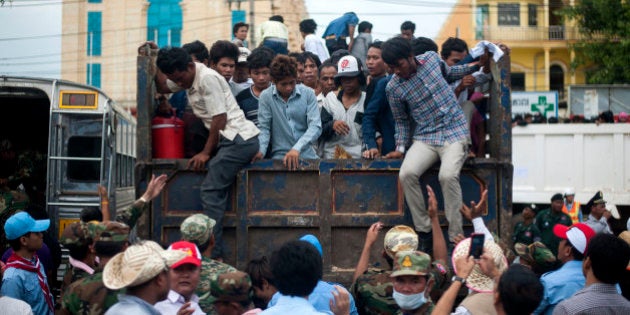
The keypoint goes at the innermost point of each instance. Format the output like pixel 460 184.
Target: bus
pixel 84 137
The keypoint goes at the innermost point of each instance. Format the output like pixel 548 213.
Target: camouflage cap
pixel 232 287
pixel 411 263
pixel 400 238
pixel 111 231
pixel 78 234
pixel 535 253
pixel 197 227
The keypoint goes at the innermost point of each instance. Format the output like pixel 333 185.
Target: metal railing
pixel 532 33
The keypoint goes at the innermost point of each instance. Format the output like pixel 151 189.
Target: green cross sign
pixel 542 107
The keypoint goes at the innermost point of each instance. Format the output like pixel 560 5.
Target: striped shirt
pixel 430 102
pixel 597 298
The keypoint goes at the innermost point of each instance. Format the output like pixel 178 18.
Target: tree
pixel 606 27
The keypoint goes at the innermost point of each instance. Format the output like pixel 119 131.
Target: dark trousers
pixel 336 44
pixel 278 45
pixel 231 156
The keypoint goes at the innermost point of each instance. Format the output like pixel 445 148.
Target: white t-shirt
pixel 353 141
pixel 315 45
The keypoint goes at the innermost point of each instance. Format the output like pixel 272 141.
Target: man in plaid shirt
pixel 426 111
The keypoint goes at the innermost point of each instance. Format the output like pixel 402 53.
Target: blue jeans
pixel 230 158
pixel 278 45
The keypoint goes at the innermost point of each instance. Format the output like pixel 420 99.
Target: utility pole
pixel 252 26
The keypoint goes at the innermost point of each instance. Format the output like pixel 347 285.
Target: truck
pixel 588 157
pixel 336 200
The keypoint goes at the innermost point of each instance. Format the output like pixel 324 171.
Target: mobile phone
pixel 476 244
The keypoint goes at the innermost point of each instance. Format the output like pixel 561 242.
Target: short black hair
pixel 79 251
pixel 171 59
pixel 239 25
pixel 325 64
pixel 15 243
pixel 408 25
pixel 520 290
pixel 91 214
pixel 365 26
pixel 259 270
pixel 308 26
pixel 313 57
pixel 420 45
pixel 197 49
pixel 297 267
pixel 108 249
pixel 609 256
pixel 277 18
pixel 453 44
pixel 223 49
pixel 337 55
pixel 283 67
pixel 376 44
pixel 260 57
pixel 394 49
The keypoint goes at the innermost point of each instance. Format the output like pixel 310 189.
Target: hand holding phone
pixel 476 245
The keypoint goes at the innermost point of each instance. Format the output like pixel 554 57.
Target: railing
pixel 518 33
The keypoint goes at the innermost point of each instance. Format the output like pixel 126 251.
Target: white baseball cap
pixel 348 66
pixel 243 54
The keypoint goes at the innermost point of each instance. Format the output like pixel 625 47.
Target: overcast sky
pixel 30 30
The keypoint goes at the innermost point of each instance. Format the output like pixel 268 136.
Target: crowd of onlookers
pixel 605 117
pixel 342 97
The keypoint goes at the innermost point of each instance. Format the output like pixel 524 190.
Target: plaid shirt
pixel 430 102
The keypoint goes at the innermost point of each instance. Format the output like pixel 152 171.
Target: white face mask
pixel 409 302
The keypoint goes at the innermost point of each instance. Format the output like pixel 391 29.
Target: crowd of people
pixel 342 97
pixel 605 117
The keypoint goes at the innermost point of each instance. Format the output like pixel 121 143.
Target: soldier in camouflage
pixel 233 294
pixel 131 215
pixel 537 257
pixel 373 287
pixel 77 239
pixel 197 229
pixel 89 296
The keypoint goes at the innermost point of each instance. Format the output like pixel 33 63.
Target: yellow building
pixel 100 38
pixel 539 41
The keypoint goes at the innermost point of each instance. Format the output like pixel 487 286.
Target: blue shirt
pixel 339 26
pixel 319 298
pixel 282 304
pixel 23 285
pixel 378 117
pixel 560 285
pixel 427 100
pixel 294 124
pixel 129 304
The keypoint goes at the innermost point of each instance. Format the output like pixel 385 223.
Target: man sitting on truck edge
pixel 232 140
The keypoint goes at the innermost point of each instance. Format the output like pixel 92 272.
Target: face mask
pixel 409 302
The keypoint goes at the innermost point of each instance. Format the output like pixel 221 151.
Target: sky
pixel 30 30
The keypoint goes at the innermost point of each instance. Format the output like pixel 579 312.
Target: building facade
pixel 100 38
pixel 540 41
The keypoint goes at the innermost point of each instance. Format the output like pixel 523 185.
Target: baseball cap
pixel 314 241
pixel 243 54
pixel 400 238
pixel 192 253
pixel 197 228
pixel 77 233
pixel 22 223
pixel 411 263
pixel 232 287
pixel 578 234
pixel 348 66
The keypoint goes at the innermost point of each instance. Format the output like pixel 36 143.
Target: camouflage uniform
pixel 537 255
pixel 75 235
pixel 197 228
pixel 89 295
pixel 130 215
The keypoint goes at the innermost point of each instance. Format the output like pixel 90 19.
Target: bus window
pixel 84 147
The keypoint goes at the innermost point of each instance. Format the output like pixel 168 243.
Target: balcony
pixel 531 33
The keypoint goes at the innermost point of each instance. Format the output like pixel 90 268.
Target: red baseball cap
pixel 192 253
pixel 578 234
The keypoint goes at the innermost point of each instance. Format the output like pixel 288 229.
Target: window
pixel 164 22
pixel 94 74
pixel 94 33
pixel 509 14
pixel 85 147
pixel 532 18
pixel 518 81
pixel 481 20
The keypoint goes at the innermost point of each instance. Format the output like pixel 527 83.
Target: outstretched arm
pixel 444 305
pixel 440 253
pixel 474 214
pixel 370 238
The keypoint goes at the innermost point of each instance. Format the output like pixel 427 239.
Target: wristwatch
pixel 460 279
